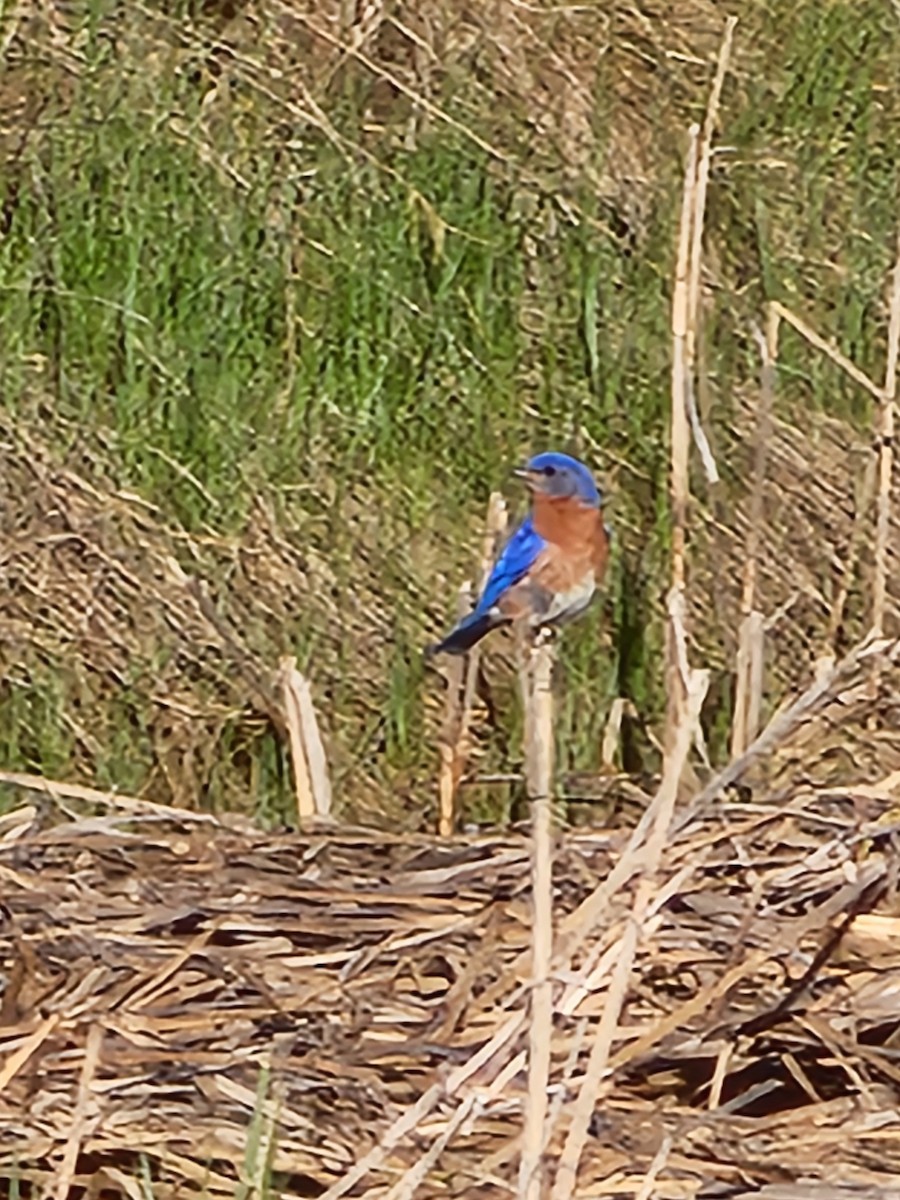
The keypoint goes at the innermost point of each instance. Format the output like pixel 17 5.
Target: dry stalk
pixel 408 1184
pixel 612 733
pixel 697 213
pixel 537 678
pixel 311 783
pixel 748 693
pixel 315 750
pixel 663 808
pixel 61 792
pixel 719 1073
pixel 495 529
pixel 680 365
pixel 680 484
pixel 886 455
pixel 685 319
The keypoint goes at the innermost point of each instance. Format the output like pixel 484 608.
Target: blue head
pixel 561 477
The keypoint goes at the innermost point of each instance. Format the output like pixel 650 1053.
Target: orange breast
pixel 578 532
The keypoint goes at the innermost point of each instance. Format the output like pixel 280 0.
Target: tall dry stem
pixel 698 210
pixel 537 676
pixel 679 482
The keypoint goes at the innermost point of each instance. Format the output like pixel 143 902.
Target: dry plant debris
pixel 187 992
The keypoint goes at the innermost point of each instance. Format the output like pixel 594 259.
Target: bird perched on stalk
pixel 550 567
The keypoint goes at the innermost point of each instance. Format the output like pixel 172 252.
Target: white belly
pixel 565 606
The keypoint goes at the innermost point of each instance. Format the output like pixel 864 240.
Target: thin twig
pixel 839 359
pixel 409 1183
pixel 262 693
pixel 411 1118
pixel 864 495
pixel 60 791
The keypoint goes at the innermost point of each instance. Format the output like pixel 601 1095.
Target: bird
pixel 548 570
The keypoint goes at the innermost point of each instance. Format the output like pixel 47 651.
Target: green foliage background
pixel 241 302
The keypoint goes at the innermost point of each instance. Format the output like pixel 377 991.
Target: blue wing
pixel 514 562
pixel 516 559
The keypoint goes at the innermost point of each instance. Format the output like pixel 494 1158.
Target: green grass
pixel 248 309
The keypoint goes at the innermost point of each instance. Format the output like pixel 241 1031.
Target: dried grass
pixel 746 964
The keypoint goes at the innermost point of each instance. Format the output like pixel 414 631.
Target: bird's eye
pixel 549 471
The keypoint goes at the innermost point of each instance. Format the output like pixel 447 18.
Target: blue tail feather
pixel 469 631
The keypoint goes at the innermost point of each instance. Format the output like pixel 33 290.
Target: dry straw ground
pixel 222 1004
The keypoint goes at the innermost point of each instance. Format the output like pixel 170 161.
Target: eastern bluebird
pixel 548 570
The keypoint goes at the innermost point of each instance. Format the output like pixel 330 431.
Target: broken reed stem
pixel 462 678
pixel 886 455
pixel 685 319
pixel 537 675
pixel 306 808
pixel 749 666
pixel 312 786
pixel 314 749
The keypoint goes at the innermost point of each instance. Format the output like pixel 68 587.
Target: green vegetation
pixel 237 303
